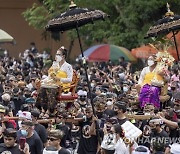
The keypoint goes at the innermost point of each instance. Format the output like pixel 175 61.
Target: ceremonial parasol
pixel 106 52
pixel 5 37
pixel 74 18
pixel 170 23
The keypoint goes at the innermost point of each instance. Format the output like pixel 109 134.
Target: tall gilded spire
pixel 169 12
pixel 72 5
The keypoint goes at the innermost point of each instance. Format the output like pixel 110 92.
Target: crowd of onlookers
pixel 79 127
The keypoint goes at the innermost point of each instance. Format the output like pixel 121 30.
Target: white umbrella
pixel 5 37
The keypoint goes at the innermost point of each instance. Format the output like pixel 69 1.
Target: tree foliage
pixel 128 23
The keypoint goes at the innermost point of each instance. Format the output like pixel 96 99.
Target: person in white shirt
pixel 60 71
pixel 150 83
pixel 151 66
pixel 121 147
pixel 109 139
pixel 60 75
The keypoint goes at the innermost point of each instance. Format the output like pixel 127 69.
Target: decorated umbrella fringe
pixel 170 23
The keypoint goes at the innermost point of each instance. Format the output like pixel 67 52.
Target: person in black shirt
pixel 32 138
pixel 88 139
pixel 173 124
pixel 82 101
pixel 122 62
pixel 54 141
pixel 6 101
pixel 61 125
pixel 10 146
pixel 33 48
pixel 4 123
pixel 120 110
pixel 159 135
pixel 40 129
pixel 18 99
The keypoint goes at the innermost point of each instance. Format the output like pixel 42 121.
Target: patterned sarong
pixel 149 95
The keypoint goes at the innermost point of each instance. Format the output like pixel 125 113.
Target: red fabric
pixel 12 122
pixel 175 118
pixel 102 56
pixel 70 97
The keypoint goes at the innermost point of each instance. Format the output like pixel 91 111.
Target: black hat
pixel 33 76
pixel 141 149
pixel 30 100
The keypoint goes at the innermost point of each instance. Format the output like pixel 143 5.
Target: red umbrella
pixel 143 52
pixel 146 50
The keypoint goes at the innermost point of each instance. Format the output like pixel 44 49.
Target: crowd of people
pixel 93 122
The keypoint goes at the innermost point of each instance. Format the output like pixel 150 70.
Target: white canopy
pixel 5 37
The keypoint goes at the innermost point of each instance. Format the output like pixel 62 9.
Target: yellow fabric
pixel 62 74
pixel 51 70
pixel 149 76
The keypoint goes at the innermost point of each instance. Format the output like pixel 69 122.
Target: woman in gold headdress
pixel 153 79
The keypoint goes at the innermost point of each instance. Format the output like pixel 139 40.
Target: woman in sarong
pixel 150 92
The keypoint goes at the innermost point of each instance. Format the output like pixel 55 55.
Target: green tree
pixel 128 23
